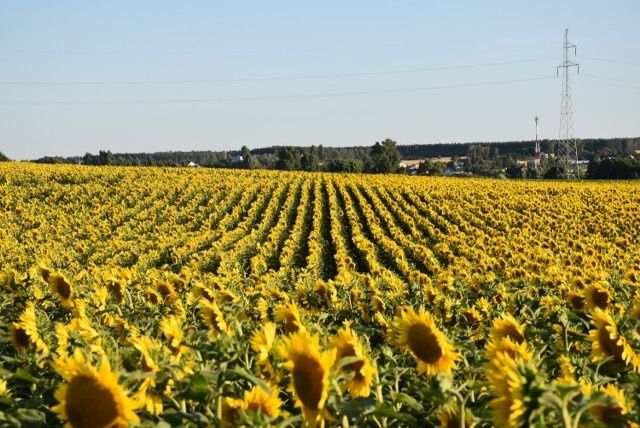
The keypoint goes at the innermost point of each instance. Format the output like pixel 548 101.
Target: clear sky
pixel 131 76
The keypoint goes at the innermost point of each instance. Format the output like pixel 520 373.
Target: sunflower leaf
pixel 408 400
pixel 239 371
pixel 386 410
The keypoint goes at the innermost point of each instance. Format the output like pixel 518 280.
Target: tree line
pixel 608 158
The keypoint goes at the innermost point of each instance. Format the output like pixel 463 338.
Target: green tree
pixel 431 167
pixel 289 159
pixel 345 165
pixel 3 157
pixel 249 161
pixel 383 157
pixel 514 171
pixel 105 157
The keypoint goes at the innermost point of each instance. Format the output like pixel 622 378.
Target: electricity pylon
pixel 567 146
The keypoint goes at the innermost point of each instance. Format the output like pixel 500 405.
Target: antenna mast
pixel 567 146
pixel 537 152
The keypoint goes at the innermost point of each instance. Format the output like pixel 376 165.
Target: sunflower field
pixel 192 297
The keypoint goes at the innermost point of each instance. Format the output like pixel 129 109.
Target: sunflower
pixel 167 291
pixel 612 414
pixel 62 338
pixel 172 330
pixel 607 342
pixel 288 317
pixel 507 326
pixel 19 337
pixel 309 367
pixel 347 344
pixel 450 416
pixel 418 333
pixel 262 341
pixel 4 391
pixel 152 296
pixel 567 371
pixel 257 400
pixel 213 317
pixel 598 296
pixel 510 347
pixel 145 346
pixel 24 334
pixel 91 397
pixel 61 288
pixel 515 394
pixel 145 397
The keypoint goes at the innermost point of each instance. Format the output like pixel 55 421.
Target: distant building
pixel 411 165
pixel 193 165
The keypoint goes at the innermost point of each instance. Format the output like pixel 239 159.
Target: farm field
pixel 207 297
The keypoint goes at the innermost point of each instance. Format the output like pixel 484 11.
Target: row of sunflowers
pixel 164 297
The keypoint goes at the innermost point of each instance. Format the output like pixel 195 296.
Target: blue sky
pixel 78 76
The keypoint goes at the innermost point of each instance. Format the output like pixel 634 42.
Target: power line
pixel 615 79
pixel 273 78
pixel 615 85
pixel 612 61
pixel 269 98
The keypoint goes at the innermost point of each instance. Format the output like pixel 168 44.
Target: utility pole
pixel 567 146
pixel 536 158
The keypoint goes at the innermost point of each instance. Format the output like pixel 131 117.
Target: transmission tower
pixel 567 146
pixel 536 158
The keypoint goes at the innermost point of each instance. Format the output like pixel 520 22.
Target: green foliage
pixel 3 157
pixel 614 168
pixel 383 158
pixel 345 165
pixel 431 167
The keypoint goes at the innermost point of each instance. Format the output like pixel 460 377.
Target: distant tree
pixel 614 168
pixel 249 161
pixel 89 159
pixel 309 161
pixel 345 165
pixel 514 171
pixel 105 157
pixel 431 167
pixel 553 172
pixel 289 159
pixel 3 157
pixel 383 157
pixel 532 173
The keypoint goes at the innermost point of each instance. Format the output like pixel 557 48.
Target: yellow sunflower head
pixel 213 317
pixel 25 334
pixel 510 347
pixel 262 341
pixel 91 397
pixel 513 384
pixel 61 288
pixel 347 344
pixel 260 401
pixel 608 343
pixel 309 368
pixel 419 334
pixel 171 328
pixel 167 291
pixel 566 371
pixel 288 317
pixel 611 414
pixel 449 416
pixel 598 296
pixel 145 346
pixel 19 337
pixel 507 326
